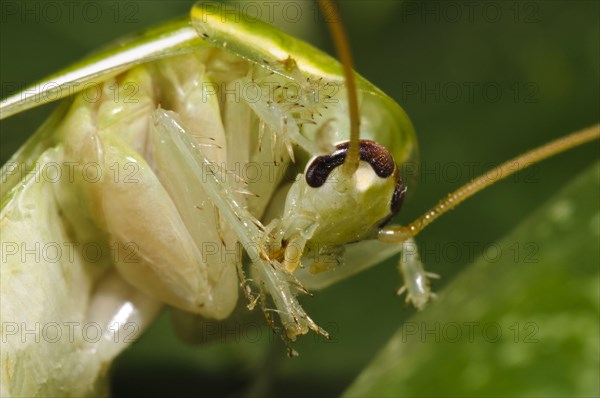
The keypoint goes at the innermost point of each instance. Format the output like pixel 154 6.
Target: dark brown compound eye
pixel 376 155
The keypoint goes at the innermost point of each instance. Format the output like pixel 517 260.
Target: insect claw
pixel 252 304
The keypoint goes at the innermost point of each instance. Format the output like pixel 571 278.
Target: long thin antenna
pixel 400 234
pixel 340 39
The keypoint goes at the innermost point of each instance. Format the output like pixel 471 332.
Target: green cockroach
pixel 176 144
pixel 202 146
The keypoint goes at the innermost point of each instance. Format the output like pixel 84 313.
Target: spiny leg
pixel 247 228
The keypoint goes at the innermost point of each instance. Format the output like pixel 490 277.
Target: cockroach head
pixel 359 203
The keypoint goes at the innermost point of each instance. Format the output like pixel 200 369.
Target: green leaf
pixel 521 321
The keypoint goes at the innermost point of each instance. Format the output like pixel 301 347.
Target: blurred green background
pixel 481 81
